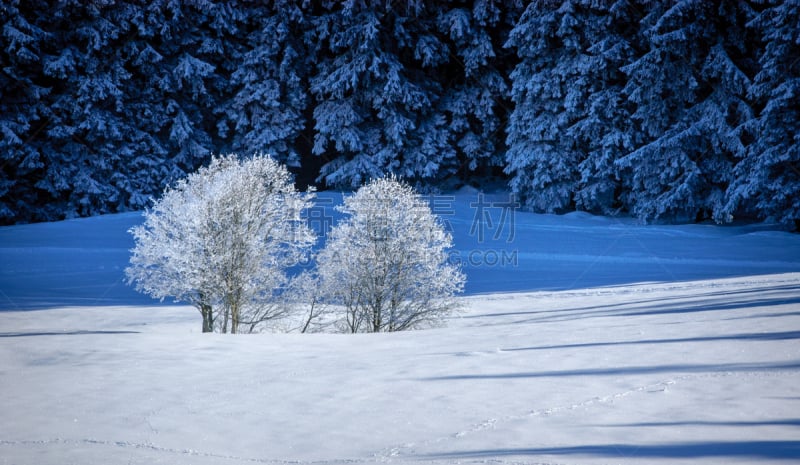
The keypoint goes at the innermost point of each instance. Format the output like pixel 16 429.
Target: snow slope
pixel 81 262
pixel 605 342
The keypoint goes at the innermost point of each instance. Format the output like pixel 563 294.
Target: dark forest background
pixel 665 110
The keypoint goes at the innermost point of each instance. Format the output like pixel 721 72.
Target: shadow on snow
pixel 778 336
pixel 622 371
pixel 65 333
pixel 775 450
pixel 694 303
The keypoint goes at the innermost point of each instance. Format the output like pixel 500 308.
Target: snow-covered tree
pixel 568 125
pixel 269 82
pixel 688 90
pixel 109 110
pixel 95 142
pixel 666 109
pixel 23 110
pixel 63 120
pixel 194 47
pixel 222 240
pixel 767 179
pixel 308 295
pixel 372 115
pixel 473 77
pixel 386 265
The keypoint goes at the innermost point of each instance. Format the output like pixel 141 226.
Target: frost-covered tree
pixel 569 124
pixel 309 296
pixel 222 240
pixel 688 89
pixel 767 179
pixel 386 264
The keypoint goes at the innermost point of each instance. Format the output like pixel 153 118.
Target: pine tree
pixel 267 107
pixel 473 76
pixel 24 112
pixel 112 107
pixel 767 181
pixel 196 53
pixel 90 128
pixel 688 88
pixel 77 142
pixel 373 109
pixel 568 125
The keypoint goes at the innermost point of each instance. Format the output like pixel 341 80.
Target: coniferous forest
pixel 664 110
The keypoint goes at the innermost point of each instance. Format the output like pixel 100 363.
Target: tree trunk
pixel 208 317
pixel 234 317
pixel 207 313
pixel 377 318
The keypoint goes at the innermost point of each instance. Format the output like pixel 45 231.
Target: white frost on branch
pixel 222 240
pixel 386 264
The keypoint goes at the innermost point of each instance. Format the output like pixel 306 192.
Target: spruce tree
pixel 568 126
pixel 688 89
pixel 268 95
pixel 373 106
pixel 475 101
pixel 767 179
pixel 24 112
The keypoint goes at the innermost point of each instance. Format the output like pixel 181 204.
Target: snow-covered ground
pixel 583 340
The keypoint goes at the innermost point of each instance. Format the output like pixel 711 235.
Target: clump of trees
pixel 386 263
pixel 223 239
pixel 226 238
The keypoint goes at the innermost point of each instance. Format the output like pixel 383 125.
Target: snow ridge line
pixel 625 259
pixel 742 284
pixel 155 448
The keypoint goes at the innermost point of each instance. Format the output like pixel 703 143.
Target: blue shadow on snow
pixel 754 450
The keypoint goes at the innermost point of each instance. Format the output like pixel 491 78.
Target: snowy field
pixel 584 340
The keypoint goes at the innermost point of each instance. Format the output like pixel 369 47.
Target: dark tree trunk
pixel 208 318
